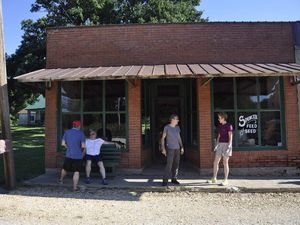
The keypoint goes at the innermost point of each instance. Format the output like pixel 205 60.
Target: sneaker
pixel 165 183
pixel 224 183
pixel 175 181
pixel 77 189
pixel 88 180
pixel 104 182
pixel 212 181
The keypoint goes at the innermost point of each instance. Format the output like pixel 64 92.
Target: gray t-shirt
pixel 173 141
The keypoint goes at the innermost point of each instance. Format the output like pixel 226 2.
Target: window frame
pixel 102 113
pixel 258 110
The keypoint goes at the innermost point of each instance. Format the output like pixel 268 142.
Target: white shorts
pixel 222 150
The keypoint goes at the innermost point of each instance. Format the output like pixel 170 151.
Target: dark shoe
pixel 104 182
pixel 165 183
pixel 77 189
pixel 175 181
pixel 88 180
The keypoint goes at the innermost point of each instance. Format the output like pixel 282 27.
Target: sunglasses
pixel 92 134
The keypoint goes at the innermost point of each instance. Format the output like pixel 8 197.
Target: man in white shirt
pixel 93 147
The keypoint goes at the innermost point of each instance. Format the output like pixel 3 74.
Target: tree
pixel 31 53
pixel 28 57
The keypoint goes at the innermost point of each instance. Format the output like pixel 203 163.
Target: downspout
pixel 296 34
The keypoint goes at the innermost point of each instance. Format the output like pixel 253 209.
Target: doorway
pixel 167 99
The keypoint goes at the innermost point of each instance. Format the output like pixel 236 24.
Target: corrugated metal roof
pixel 162 71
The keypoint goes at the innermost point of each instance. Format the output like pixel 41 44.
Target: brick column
pixel 51 126
pixel 134 125
pixel 204 123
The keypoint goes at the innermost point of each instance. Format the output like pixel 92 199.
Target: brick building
pixel 125 81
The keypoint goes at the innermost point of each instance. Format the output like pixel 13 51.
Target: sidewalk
pixel 151 180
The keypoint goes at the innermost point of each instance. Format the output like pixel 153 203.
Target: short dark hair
pixel 223 115
pixel 173 116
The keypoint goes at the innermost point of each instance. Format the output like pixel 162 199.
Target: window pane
pixel 92 121
pixel 269 92
pixel 92 96
pixel 247 129
pixel 246 93
pixel 70 96
pixel 270 127
pixel 67 121
pixel 230 120
pixel 146 134
pixel 116 128
pixel 115 96
pixel 223 93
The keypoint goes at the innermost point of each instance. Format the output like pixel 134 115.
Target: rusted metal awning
pixel 163 71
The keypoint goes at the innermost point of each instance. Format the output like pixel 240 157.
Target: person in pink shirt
pixel 223 148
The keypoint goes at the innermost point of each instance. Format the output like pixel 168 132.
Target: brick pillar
pixel 134 125
pixel 51 126
pixel 204 123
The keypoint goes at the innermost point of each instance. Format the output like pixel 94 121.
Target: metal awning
pixel 162 71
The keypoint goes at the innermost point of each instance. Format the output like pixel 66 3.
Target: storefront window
pixel 99 105
pixel 70 96
pixel 223 94
pixel 256 111
pixel 115 96
pixel 92 96
pixel 269 93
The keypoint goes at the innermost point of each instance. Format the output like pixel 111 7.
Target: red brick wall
pixel 288 157
pixel 134 126
pixel 204 109
pixel 50 126
pixel 169 43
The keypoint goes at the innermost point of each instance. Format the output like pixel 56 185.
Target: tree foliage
pixel 31 54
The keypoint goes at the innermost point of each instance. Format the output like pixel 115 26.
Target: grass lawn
pixel 28 146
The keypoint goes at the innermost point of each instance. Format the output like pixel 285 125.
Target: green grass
pixel 28 146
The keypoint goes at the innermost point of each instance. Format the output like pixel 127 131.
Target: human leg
pixel 175 166
pixel 168 168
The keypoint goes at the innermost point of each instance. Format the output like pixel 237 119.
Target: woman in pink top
pixel 223 148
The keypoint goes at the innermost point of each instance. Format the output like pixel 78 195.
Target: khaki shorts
pixel 221 150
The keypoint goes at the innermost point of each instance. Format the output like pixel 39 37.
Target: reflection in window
pixel 269 93
pixel 92 121
pixel 116 124
pixel 92 96
pixel 246 93
pixel 115 96
pixel 70 96
pixel 270 127
pixel 223 94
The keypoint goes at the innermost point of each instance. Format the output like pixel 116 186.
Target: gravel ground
pixel 60 206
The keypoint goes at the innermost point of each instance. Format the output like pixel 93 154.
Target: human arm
pixel 180 144
pixel 217 142
pixel 112 143
pixel 162 142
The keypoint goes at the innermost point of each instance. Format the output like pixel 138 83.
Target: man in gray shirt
pixel 172 149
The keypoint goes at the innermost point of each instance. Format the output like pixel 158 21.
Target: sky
pixel 14 11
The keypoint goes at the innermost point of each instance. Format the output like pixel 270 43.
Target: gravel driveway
pixel 60 206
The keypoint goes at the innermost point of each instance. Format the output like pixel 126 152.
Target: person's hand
pixel 182 151
pixel 216 147
pixel 164 152
pixel 229 148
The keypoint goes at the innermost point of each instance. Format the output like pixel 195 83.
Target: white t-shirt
pixel 93 146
